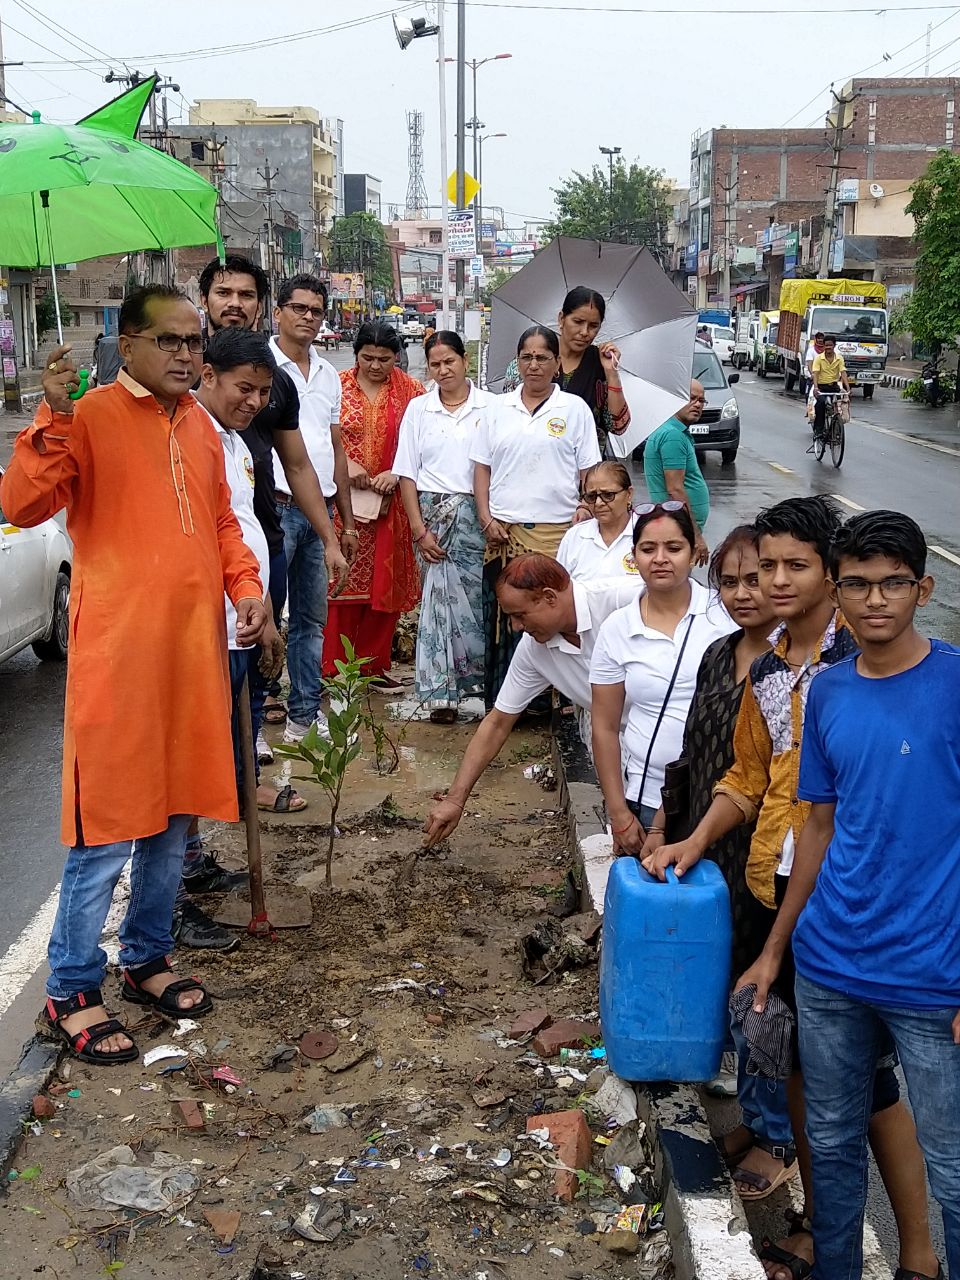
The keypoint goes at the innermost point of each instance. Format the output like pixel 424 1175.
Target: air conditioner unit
pixel 876 191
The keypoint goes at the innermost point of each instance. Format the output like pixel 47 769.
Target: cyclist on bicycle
pixel 829 376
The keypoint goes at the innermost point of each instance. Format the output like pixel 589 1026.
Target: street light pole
pixel 610 152
pixel 483 139
pixel 444 170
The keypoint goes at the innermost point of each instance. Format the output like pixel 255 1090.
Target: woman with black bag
pixel 644 671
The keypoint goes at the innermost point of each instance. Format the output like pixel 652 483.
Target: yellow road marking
pixel 777 467
pixel 848 502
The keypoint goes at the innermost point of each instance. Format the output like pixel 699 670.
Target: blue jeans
pixel 77 961
pixel 763 1101
pixel 840 1041
pixel 307 587
pixel 644 813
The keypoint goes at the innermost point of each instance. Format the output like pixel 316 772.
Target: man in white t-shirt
pixel 235 384
pixel 300 311
pixel 560 620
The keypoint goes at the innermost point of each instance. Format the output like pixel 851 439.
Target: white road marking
pixel 848 502
pixel 25 956
pixel 777 467
pixel 947 555
pixel 900 435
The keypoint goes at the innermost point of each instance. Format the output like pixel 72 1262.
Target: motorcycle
pixel 934 395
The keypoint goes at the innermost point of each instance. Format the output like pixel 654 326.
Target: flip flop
pixel 274 713
pixel 287 801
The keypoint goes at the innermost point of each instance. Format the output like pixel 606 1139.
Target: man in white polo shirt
pixel 300 311
pixel 560 620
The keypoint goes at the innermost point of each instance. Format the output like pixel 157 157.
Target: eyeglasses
pixel 172 342
pixel 698 400
pixel 648 508
pixel 601 495
pixel 529 358
pixel 890 588
pixel 301 309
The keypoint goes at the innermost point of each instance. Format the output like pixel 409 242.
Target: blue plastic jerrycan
pixel 665 972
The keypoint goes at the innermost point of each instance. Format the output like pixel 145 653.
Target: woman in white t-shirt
pixel 602 547
pixel 436 485
pixel 645 663
pixel 531 452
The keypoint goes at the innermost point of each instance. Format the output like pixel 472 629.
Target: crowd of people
pixel 786 718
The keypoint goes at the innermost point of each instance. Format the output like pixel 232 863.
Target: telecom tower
pixel 416 206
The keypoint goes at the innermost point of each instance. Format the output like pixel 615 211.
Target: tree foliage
pixel 631 210
pixel 495 278
pixel 358 243
pixel 935 206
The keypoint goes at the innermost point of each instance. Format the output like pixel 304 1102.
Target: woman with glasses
pixel 383 581
pixel 436 485
pixel 602 547
pixel 644 671
pixel 531 452
pixel 589 371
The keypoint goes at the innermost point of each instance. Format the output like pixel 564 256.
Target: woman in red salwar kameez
pixel 384 580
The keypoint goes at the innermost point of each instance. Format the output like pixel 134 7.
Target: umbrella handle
pixel 45 202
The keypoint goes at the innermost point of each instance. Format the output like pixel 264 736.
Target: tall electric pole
pixel 269 265
pixel 461 142
pixel 840 126
pixel 729 205
pixel 610 152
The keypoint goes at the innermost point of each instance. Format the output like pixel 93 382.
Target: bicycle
pixel 834 433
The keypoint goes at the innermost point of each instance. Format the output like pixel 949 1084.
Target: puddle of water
pixel 471 710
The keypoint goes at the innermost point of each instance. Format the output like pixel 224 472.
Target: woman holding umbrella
pixel 531 451
pixel 588 371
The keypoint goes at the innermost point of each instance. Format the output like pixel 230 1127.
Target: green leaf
pixel 28 1175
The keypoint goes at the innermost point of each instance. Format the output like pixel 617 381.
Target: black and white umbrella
pixel 648 318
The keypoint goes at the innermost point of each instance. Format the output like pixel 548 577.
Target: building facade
pixel 757 205
pixel 361 194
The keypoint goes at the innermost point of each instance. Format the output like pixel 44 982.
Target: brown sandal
pixel 760 1187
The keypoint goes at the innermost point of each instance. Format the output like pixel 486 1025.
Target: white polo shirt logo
pixel 629 564
pixel 556 426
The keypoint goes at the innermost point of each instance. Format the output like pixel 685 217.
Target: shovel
pixel 290 907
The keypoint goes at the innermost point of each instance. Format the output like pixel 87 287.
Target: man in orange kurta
pixel 147 742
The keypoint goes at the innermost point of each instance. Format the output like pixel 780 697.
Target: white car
pixel 723 340
pixel 35 567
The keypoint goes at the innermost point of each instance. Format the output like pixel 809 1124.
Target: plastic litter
pixel 184 1027
pixel 422 1263
pixel 322 1118
pixel 614 1099
pixel 502 1158
pixel 626 1148
pixel 227 1075
pixel 344 1175
pixel 319 1221
pixel 624 1177
pixel 162 1052
pixel 114 1178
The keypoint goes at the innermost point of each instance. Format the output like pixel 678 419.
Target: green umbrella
pixel 70 192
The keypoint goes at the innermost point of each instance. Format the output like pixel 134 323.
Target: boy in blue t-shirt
pixel 874 897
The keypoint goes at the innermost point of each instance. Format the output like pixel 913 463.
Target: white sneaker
pixel 264 750
pixel 293 732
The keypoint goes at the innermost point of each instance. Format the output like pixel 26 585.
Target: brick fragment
pixel 43 1108
pixel 188 1112
pixel 529 1022
pixel 569 1033
pixel 573 1143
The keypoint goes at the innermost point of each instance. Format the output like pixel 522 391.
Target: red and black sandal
pixel 166 1003
pixel 83 1044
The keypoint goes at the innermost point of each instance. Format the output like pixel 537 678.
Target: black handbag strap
pixel 663 710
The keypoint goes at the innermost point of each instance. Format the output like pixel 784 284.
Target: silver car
pixel 719 425
pixel 35 568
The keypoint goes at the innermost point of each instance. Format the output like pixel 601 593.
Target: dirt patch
pixel 414 963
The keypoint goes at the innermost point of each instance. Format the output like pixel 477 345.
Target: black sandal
pixel 165 1003
pixel 759 1187
pixel 798 1267
pixel 83 1044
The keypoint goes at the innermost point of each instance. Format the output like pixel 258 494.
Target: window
pixel 872 122
pixel 196 150
pixel 436 237
pixel 704 228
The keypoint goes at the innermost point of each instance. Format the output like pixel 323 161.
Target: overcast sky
pixel 579 77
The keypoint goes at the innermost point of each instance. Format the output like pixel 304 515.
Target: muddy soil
pixel 413 962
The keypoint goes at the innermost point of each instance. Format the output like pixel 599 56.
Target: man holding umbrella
pixel 147 738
